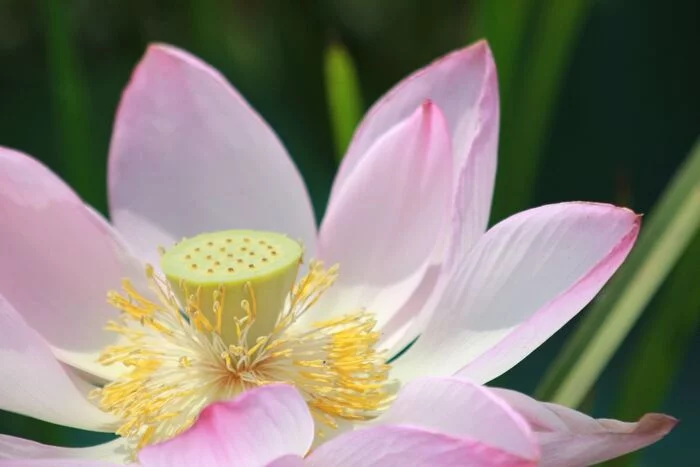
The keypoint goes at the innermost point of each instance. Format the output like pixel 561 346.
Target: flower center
pixel 237 262
pixel 224 320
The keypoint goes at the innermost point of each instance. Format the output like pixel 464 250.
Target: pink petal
pixel 56 463
pixel 189 155
pixel 523 280
pixel 33 383
pixel 574 439
pixel 287 461
pixel 18 448
pixel 406 324
pixel 383 228
pixel 463 84
pixel 405 445
pixel 477 173
pixel 460 408
pixel 258 427
pixel 58 260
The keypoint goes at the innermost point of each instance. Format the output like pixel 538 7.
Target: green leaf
pixel 527 119
pixel 672 225
pixel 344 97
pixel 80 162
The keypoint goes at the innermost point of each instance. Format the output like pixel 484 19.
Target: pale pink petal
pixel 463 84
pixel 462 409
pixel 189 155
pixel 287 461
pixel 574 439
pixel 256 428
pixel 18 448
pixel 384 446
pixel 524 280
pixel 56 463
pixel 383 228
pixel 476 175
pixel 58 260
pixel 407 323
pixel 33 382
pixel 87 361
pixel 470 214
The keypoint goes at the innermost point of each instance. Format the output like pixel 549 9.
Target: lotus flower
pixel 222 312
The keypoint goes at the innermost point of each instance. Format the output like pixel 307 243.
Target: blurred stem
pixel 672 225
pixel 662 345
pixel 343 94
pixel 527 124
pixel 71 105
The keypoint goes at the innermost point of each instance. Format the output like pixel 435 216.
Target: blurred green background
pixel 600 101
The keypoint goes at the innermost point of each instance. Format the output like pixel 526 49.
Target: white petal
pixel 59 260
pixel 18 448
pixel 33 383
pixel 189 155
pixel 461 408
pixel 461 83
pixel 383 228
pixel 571 438
pixel 394 446
pixel 56 463
pixel 523 280
pixel 287 461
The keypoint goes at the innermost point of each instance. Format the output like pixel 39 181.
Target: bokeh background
pixel 600 101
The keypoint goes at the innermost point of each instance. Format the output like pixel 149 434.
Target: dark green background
pixel 626 115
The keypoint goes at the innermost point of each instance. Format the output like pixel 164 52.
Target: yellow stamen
pixel 197 341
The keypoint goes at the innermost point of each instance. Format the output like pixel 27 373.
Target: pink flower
pixel 406 223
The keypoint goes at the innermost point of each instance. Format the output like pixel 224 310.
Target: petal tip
pixel 160 51
pixel 479 52
pixel 658 423
pixel 622 210
pixel 164 48
pixel 483 46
